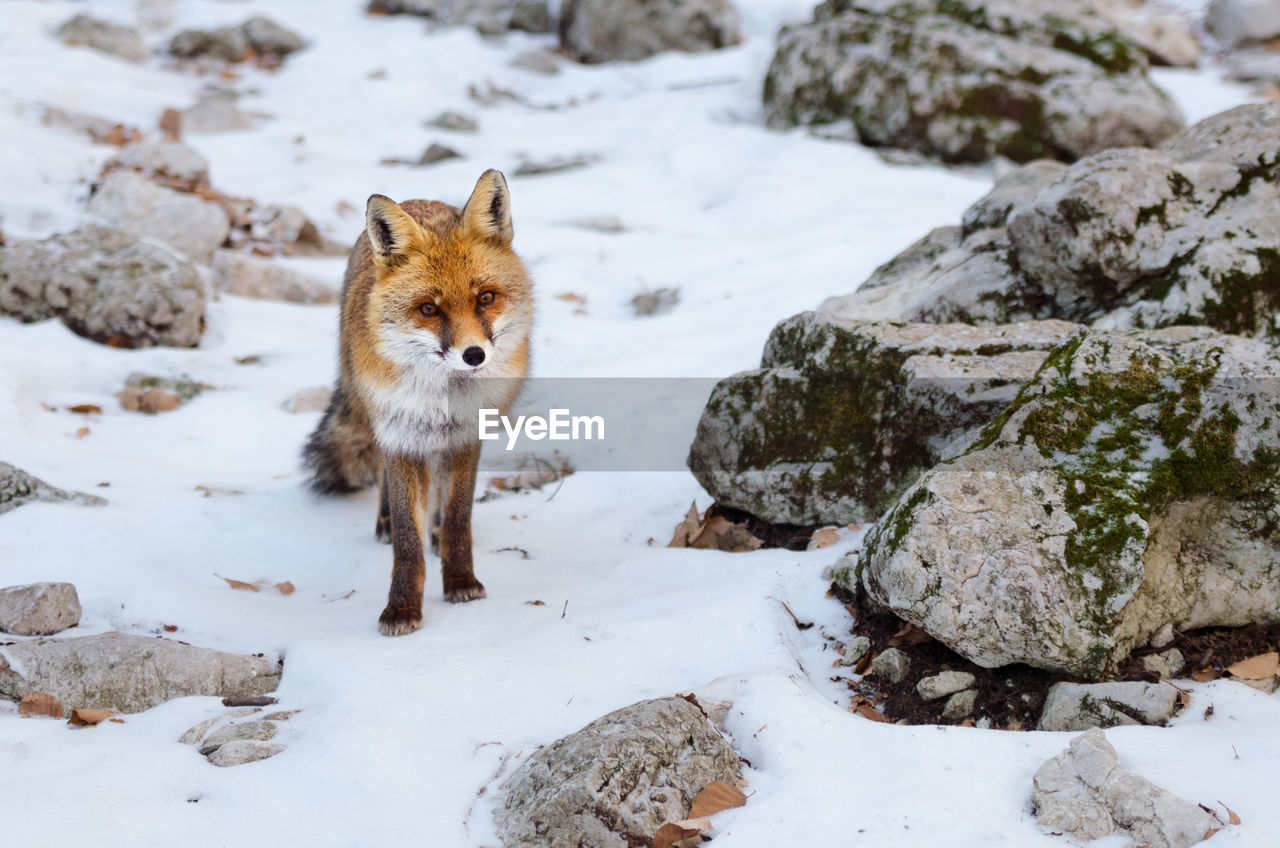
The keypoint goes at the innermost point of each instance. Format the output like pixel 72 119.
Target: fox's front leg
pixel 404 489
pixel 459 490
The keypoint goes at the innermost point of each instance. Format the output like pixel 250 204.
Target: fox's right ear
pixel 391 231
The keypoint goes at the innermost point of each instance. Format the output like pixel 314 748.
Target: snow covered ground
pixel 400 739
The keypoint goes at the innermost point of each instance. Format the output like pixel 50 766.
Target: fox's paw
pixel 461 591
pixel 399 621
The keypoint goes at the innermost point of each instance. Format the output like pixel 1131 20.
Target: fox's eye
pixel 485 298
pixel 429 309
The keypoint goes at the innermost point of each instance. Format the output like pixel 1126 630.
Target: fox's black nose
pixel 473 356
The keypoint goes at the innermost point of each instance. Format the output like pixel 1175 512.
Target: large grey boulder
pixel 17 487
pixel 134 673
pixel 106 285
pixel 105 36
pixel 613 783
pixel 39 609
pixel 1131 484
pixel 1084 791
pixel 630 30
pixel 1081 706
pixel 133 203
pixel 966 80
pixel 843 415
pixel 1181 235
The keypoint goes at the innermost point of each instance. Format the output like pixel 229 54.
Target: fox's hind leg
pixel 438 495
pixel 382 531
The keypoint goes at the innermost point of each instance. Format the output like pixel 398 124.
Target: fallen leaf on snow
pixel 823 537
pixel 686 530
pixel 1204 675
pixel 237 584
pixel 1231 814
pixel 40 704
pixel 285 588
pixel 674 833
pixel 85 409
pixel 1256 668
pixel 716 796
pixel 82 717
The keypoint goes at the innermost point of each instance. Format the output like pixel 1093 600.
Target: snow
pixel 405 739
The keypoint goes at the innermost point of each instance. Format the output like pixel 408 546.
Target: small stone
pixel 453 121
pixel 283 715
pixel 39 609
pixel 170 163
pixel 256 730
pixel 538 62
pixel 268 37
pixel 1081 706
pixel 610 224
pixel 196 733
pixel 531 16
pixel 437 153
pixel 657 302
pixel 1166 664
pixel 243 751
pixel 216 113
pixel 854 650
pixel 1162 637
pixel 943 684
pixel 105 36
pixel 892 665
pixel 554 165
pixel 960 705
pixel 314 399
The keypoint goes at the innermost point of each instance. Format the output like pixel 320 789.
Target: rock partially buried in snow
pixel 243 751
pixel 616 781
pixel 1236 22
pixel 258 37
pixel 630 30
pixel 1085 792
pixel 106 285
pixel 17 487
pixel 262 279
pixel 134 203
pixel 1080 706
pixel 103 35
pixel 252 730
pixel 134 673
pixel 314 399
pixel 216 113
pixel 170 163
pixel 39 609
pixel 1131 484
pixel 843 415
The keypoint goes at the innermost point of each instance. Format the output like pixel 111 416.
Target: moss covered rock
pixel 843 415
pixel 966 80
pixel 1131 484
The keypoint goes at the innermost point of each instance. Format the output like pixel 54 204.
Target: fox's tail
pixel 341 454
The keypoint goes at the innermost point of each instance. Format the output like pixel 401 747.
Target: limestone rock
pixel 39 609
pixel 1130 485
pixel 135 673
pixel 258 37
pixel 255 730
pixel 1236 22
pixel 248 276
pixel 105 36
pixel 17 487
pixel 170 163
pixel 843 415
pixel 616 781
pixel 135 204
pixel 960 705
pixel 629 30
pixel 943 684
pixel 854 650
pixel 966 80
pixel 1080 706
pixel 216 113
pixel 891 664
pixel 1085 792
pixel 243 751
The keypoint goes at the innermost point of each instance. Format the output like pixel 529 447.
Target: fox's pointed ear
pixel 488 212
pixel 391 231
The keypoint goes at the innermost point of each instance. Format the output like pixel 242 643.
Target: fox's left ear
pixel 488 212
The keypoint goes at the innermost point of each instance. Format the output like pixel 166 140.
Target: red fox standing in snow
pixel 436 314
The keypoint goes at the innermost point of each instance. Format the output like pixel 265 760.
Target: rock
pixel 243 751
pixel 135 673
pixel 99 130
pixel 135 204
pixel 38 609
pixel 421 8
pixel 554 165
pixel 196 733
pixel 657 302
pixel 106 285
pixel 1080 706
pixel 1147 238
pixel 967 80
pixel 314 399
pixel 151 394
pixel 945 683
pixel 105 36
pixel 1164 35
pixel 489 17
pixel 258 37
pixel 1162 637
pixel 891 664
pixel 262 279
pixel 616 781
pixel 610 224
pixel 843 415
pixel 1164 665
pixel 538 62
pixel 1236 22
pixel 629 30
pixel 453 121
pixel 854 650
pixel 170 163
pixel 960 705
pixel 256 730
pixel 1129 485
pixel 1085 792
pixel 437 153
pixel 216 113
pixel 17 487
pixel 531 16
pixel 1256 65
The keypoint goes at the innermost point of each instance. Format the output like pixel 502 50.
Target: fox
pixel 436 313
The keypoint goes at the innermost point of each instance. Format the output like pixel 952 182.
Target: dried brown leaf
pixel 1204 675
pixel 1231 814
pixel 40 704
pixel 536 603
pixel 82 717
pixel 82 432
pixel 909 635
pixel 686 530
pixel 285 588
pixel 673 833
pixel 1257 668
pixel 716 796
pixel 85 409
pixel 237 584
pixel 571 297
pixel 823 537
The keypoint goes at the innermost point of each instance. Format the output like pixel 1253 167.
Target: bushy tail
pixel 341 453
